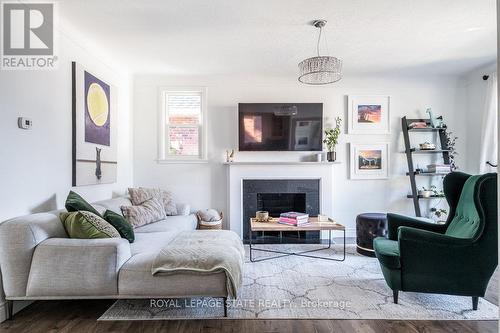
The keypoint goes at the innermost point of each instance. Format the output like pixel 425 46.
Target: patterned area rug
pixel 294 287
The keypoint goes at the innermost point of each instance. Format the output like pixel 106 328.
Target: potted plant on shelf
pixel 425 193
pixel 430 192
pixel 332 139
pixel 436 192
pixel 451 141
pixel 439 215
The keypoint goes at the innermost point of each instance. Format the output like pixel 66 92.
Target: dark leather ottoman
pixel 368 227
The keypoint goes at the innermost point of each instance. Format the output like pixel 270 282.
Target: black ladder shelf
pixel 409 150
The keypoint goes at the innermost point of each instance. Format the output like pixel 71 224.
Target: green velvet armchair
pixel 456 258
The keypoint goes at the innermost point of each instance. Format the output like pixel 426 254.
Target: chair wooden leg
pixel 10 309
pixel 395 294
pixel 224 299
pixel 475 301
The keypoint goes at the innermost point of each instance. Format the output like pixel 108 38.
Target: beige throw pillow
pixel 140 195
pixel 148 212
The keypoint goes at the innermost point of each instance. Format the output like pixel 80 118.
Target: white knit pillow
pixel 209 215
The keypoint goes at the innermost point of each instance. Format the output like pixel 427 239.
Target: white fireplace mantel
pixel 283 163
pixel 239 171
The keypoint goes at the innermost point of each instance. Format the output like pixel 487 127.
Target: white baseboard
pixel 349 233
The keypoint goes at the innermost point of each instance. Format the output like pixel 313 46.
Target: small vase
pixel 425 194
pixel 331 156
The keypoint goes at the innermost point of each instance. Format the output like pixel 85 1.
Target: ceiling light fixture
pixel 320 70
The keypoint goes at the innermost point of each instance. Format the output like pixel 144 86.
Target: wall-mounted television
pixel 280 126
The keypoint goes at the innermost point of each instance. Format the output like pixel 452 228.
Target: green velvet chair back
pixel 481 193
pixel 466 223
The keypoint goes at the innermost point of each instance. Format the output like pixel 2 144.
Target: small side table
pixel 368 227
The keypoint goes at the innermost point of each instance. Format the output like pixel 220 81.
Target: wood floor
pixel 80 316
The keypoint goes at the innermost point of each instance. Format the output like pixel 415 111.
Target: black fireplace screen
pixel 277 203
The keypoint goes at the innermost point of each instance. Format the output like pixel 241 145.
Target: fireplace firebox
pixel 279 196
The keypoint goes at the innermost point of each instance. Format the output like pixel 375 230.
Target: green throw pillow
pixel 75 203
pixel 87 225
pixel 121 224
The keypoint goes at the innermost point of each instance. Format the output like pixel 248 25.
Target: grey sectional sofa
pixel 39 262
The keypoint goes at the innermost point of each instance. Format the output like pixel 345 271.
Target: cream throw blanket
pixel 204 252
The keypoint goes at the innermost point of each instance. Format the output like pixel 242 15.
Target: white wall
pixel 204 185
pixel 475 95
pixel 35 165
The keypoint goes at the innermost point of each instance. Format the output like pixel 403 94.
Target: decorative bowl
pixel 427 146
pixel 425 194
pixel 262 216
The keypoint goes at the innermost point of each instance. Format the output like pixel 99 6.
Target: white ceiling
pixel 257 37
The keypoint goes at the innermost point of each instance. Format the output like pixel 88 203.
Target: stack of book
pixel 439 168
pixel 293 218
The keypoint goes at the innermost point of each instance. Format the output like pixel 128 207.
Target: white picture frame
pixel 369 160
pixel 368 114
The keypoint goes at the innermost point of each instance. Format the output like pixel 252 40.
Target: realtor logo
pixel 27 35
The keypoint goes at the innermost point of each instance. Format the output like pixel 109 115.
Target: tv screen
pixel 280 127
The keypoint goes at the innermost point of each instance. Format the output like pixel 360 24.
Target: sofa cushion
pixel 121 225
pixel 183 209
pixel 114 204
pixel 135 279
pixel 151 241
pixel 171 223
pixel 87 225
pixel 74 203
pixel 77 267
pixel 18 239
pixel 99 209
pixel 148 212
pixel 387 252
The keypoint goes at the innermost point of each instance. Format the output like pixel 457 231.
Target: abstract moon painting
pixel 94 129
pixel 97 117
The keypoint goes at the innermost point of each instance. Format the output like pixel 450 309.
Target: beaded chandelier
pixel 320 70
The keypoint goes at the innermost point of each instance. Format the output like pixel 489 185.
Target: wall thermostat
pixel 24 123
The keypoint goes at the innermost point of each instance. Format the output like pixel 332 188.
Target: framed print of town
pixel 369 161
pixel 368 114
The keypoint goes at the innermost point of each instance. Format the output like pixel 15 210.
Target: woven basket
pixel 214 225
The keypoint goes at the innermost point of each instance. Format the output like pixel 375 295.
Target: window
pixel 182 132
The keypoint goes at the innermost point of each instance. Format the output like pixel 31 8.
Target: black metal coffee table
pixel 313 225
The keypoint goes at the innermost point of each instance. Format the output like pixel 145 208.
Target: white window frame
pixel 163 157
